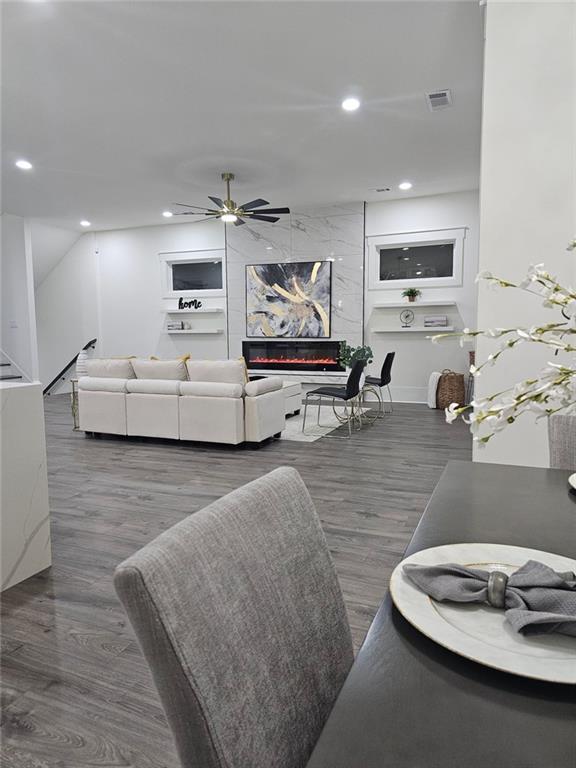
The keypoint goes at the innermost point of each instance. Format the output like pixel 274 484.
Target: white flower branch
pixel 553 389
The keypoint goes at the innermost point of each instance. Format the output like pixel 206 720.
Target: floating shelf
pixel 434 331
pixel 189 331
pixel 412 304
pixel 201 311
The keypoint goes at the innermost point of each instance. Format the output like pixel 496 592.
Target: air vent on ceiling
pixel 439 100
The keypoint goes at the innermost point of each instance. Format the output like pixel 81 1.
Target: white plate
pixel 479 632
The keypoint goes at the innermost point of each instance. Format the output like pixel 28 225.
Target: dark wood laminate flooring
pixel 76 690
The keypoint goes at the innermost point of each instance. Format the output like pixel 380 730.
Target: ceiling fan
pixel 230 213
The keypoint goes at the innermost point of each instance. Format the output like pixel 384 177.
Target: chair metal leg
pixel 305 412
pixel 391 401
pixel 366 413
pixel 381 411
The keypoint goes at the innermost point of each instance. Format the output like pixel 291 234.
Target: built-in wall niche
pixel 193 273
pixel 430 259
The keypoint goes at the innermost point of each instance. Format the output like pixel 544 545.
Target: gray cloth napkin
pixel 537 599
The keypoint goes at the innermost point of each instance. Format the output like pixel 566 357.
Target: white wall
pixel 49 245
pixel 108 286
pixel 67 308
pixel 528 191
pixel 18 323
pixel 131 317
pixel 416 356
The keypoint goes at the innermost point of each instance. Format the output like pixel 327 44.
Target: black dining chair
pixel 377 383
pixel 348 395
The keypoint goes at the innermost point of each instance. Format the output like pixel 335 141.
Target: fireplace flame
pixel 295 360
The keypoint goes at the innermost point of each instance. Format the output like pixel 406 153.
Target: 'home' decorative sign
pixel 189 303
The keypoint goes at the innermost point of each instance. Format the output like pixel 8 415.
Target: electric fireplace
pixel 293 355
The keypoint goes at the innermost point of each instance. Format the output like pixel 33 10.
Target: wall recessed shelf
pixel 414 304
pixel 196 331
pixel 206 310
pixel 433 331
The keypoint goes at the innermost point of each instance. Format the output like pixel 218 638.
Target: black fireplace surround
pixel 293 355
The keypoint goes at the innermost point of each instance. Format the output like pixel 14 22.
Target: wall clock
pixel 407 318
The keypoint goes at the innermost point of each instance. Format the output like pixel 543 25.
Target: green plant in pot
pixel 348 355
pixel 411 294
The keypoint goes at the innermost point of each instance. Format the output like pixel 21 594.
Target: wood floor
pixel 76 690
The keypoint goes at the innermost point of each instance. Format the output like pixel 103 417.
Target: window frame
pixel 169 258
pixel 454 236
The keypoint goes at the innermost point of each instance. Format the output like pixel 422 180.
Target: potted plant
pixel 411 294
pixel 348 355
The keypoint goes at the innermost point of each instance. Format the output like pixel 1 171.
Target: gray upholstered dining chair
pixel 240 616
pixel 562 441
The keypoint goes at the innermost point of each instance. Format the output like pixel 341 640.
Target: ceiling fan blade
pixel 208 218
pixel 275 210
pixel 263 218
pixel 198 207
pixel 196 213
pixel 254 204
pixel 239 222
pixel 216 200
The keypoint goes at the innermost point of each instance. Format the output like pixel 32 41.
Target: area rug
pixel 293 428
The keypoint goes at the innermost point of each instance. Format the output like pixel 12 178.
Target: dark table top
pixel 409 703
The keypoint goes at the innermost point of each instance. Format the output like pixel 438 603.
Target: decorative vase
pixel 562 441
pixel 412 299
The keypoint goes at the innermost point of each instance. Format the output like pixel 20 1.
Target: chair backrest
pixel 562 441
pixel 386 372
pixel 353 382
pixel 240 616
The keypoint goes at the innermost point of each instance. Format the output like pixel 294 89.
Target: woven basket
pixel 450 389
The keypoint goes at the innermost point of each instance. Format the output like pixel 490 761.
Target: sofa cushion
pixel 174 370
pixel 224 371
pixel 154 386
pixel 184 357
pixel 109 368
pixel 261 386
pixel 211 389
pixel 101 384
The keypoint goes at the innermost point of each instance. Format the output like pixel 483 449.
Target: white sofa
pixel 202 400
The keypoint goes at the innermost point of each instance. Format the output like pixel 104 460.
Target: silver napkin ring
pixel 497 582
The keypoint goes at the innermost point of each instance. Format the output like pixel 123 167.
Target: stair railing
pixel 64 371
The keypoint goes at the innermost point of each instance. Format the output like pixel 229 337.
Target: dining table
pixel 410 703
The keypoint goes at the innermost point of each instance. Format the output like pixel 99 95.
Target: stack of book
pixel 435 321
pixel 175 325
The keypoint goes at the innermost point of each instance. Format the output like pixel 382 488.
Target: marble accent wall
pixel 24 510
pixel 335 232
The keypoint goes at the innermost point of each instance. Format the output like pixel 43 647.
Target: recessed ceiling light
pixel 418 273
pixel 350 104
pixel 229 218
pixel 167 214
pixel 85 223
pixel 406 258
pixel 405 248
pixel 405 185
pixel 24 165
pixel 269 248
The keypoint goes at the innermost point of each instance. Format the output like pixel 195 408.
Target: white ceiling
pixel 125 107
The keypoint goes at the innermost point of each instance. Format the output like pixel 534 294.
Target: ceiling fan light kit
pixel 230 213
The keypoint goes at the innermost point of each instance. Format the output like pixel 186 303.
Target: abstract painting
pixel 290 300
